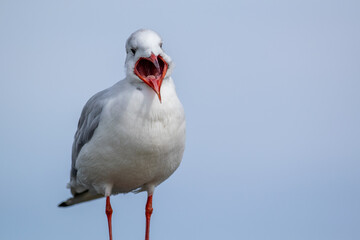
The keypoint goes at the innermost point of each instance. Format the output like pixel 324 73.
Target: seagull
pixel 131 136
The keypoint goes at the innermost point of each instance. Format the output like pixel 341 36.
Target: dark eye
pixel 160 45
pixel 133 50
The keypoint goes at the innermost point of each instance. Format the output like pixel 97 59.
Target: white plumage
pixel 138 143
pixel 130 137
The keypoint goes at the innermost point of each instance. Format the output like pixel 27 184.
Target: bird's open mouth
pixel 152 71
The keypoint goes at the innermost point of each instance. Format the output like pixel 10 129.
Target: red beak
pixel 152 71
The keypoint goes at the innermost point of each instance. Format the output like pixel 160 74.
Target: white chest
pixel 138 141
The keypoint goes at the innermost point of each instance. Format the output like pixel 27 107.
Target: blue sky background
pixel 271 91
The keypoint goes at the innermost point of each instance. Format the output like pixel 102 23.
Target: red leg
pixel 109 212
pixel 148 212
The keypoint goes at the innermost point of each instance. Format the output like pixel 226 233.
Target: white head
pixel 146 61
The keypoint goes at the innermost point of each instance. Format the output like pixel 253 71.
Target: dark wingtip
pixel 63 204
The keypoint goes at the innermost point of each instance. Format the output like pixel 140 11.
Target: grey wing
pixel 88 122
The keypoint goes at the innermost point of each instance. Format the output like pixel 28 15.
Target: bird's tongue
pixel 152 71
pixel 155 82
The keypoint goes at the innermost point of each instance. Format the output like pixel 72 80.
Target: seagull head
pixel 146 61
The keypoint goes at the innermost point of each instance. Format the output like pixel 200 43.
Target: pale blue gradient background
pixel 271 91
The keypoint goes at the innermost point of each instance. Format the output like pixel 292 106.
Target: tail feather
pixel 79 198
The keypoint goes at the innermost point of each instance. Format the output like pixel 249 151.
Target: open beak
pixel 152 71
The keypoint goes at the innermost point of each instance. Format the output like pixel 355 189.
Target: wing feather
pixel 88 122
